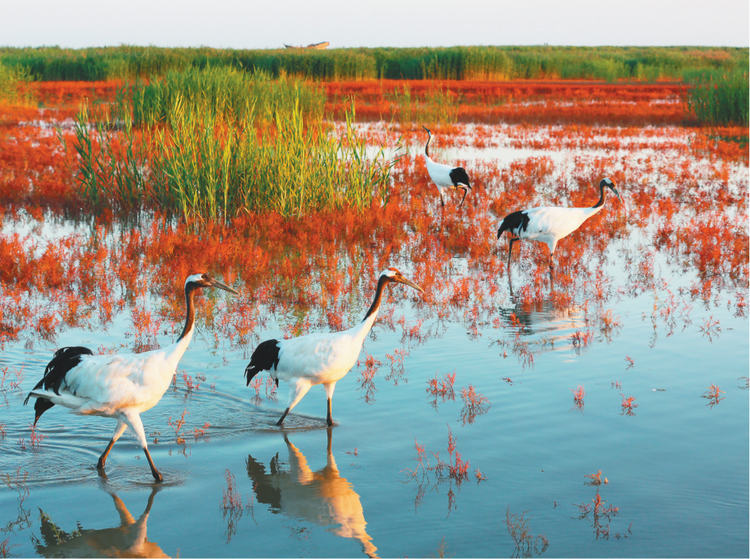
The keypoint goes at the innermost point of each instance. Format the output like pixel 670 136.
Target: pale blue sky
pixel 399 23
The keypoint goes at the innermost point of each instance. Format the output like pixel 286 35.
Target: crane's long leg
pixel 154 471
pixel 510 250
pixel 296 392
pixel 329 388
pixel 119 430
pixel 466 191
pixel 440 192
pixel 282 418
pixel 134 422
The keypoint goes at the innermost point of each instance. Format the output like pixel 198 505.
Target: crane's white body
pixel 319 358
pixel 440 175
pixel 119 386
pixel 550 224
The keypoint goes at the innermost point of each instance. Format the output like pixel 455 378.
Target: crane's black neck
pixel 190 290
pixel 427 145
pixel 382 282
pixel 602 195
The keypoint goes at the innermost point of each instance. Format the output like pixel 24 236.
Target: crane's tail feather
pixel 515 223
pixel 459 176
pixel 63 361
pixel 265 357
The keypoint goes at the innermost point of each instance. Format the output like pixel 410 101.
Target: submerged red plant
pixel 627 405
pixel 712 395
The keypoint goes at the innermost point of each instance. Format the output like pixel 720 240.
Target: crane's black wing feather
pixel 265 356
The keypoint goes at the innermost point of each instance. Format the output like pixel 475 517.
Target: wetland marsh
pixel 602 411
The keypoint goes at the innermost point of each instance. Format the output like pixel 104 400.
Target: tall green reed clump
pixel 224 90
pixel 719 98
pixel 206 165
pixel 436 106
pixel 10 79
pixel 111 170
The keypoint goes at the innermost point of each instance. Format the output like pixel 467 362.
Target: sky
pixel 252 24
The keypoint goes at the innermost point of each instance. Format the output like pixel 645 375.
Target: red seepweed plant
pixel 177 427
pixel 232 506
pixel 475 404
pixel 455 470
pixel 628 405
pixel 442 389
pixel 367 376
pixel 579 393
pixel 578 398
pixel 712 395
pixel 518 528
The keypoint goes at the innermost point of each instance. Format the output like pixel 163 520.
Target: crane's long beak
pixel 617 193
pixel 410 284
pixel 427 129
pixel 220 285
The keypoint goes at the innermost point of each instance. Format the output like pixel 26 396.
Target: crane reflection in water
pixel 322 497
pixel 126 540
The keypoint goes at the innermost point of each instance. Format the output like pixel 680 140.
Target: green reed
pixel 10 79
pixel 436 106
pixel 719 98
pixel 451 63
pixel 110 164
pixel 225 91
pixel 205 166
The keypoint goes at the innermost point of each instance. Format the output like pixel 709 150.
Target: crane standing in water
pixel 550 224
pixel 117 386
pixel 319 358
pixel 445 177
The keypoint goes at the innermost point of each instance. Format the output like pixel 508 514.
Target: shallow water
pixel 676 466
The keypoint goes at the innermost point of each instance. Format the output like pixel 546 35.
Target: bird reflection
pixel 546 316
pixel 322 497
pixel 126 540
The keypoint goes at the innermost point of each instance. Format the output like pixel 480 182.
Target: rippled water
pixel 676 466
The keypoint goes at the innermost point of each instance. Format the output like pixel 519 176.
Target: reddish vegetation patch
pixel 70 94
pixel 521 102
pixel 324 266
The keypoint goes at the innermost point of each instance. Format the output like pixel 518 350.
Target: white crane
pixel 550 224
pixel 320 358
pixel 445 177
pixel 117 386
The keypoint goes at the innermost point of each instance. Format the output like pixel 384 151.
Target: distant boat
pixel 318 46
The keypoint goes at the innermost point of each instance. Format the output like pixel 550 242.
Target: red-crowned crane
pixel 445 177
pixel 550 224
pixel 319 358
pixel 117 386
